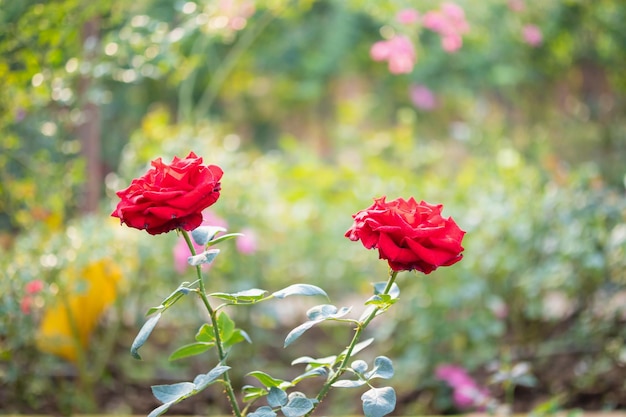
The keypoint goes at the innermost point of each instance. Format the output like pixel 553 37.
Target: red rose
pixel 170 197
pixel 409 235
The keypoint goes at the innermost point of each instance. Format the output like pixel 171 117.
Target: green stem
pixel 232 398
pixel 355 339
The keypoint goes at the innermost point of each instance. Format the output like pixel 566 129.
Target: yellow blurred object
pixel 68 324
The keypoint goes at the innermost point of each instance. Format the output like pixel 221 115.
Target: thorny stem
pixel 232 398
pixel 355 339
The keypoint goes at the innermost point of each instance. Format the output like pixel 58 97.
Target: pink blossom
pixel 450 23
pixel 34 286
pixel 237 12
pixel 456 16
pixel 532 35
pixel 247 244
pixel 407 16
pixel 466 392
pixel 181 250
pixel 399 53
pixel 517 6
pixel 422 97
pixel 436 21
pixel 451 42
pixel 25 304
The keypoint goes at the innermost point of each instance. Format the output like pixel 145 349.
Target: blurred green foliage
pixel 525 150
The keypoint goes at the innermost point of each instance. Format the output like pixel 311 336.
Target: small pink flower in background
pixel 25 304
pixel 466 392
pixel 399 53
pixel 517 6
pixel 422 97
pixel 451 42
pixel 532 35
pixel 450 23
pixel 407 16
pixel 237 12
pixel 247 244
pixel 34 286
pixel 181 250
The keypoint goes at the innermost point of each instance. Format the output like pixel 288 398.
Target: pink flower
pixel 517 5
pixel 25 304
pixel 422 97
pixel 399 53
pixel 450 23
pixel 247 244
pixel 456 17
pixel 34 286
pixel 532 35
pixel 466 392
pixel 407 16
pixel 435 21
pixel 181 250
pixel 451 42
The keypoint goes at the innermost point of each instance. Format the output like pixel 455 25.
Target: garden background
pixel 510 113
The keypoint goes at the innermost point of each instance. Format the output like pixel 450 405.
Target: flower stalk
pixel 360 328
pixel 232 398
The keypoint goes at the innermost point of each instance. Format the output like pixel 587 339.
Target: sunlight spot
pixel 111 48
pixel 48 260
pixel 49 129
pixel 71 65
pixel 37 79
pixel 152 52
pixel 139 21
pixel 232 142
pixel 189 7
pixel 508 158
pixel 218 22
pixel 176 35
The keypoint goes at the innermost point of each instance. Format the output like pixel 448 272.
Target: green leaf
pixel 383 368
pixel 251 392
pixel 160 409
pixel 298 331
pixel 378 402
pixel 143 335
pixel 178 293
pixel 264 411
pixel 205 334
pixel 226 326
pixel 277 397
pixel 359 346
pixel 223 238
pixel 173 392
pixel 191 349
pixel 203 234
pixel 310 374
pixel 383 301
pixel 329 360
pixel 203 380
pixel 243 297
pixel 345 383
pixel 205 257
pixel 297 406
pixel 299 289
pixel 266 380
pixel 237 336
pixel 359 366
pixel 394 292
pixel 316 315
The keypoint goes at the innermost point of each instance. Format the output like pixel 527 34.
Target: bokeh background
pixel 510 113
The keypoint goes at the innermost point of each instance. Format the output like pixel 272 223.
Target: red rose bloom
pixel 171 196
pixel 409 235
